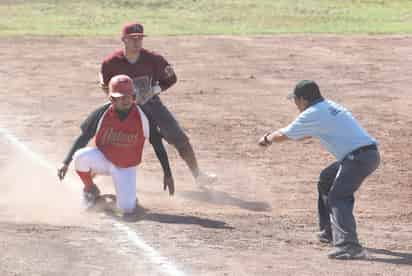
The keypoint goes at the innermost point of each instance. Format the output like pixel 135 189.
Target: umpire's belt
pixel 364 148
pixel 351 154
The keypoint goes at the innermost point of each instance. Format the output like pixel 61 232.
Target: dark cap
pixel 306 89
pixel 133 29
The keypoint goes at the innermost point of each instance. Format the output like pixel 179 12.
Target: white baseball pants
pixel 124 179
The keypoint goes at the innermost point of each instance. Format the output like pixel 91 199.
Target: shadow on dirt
pixel 107 204
pixel 223 198
pixel 184 219
pixel 390 257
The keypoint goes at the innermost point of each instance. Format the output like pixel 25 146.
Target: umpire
pixel 357 157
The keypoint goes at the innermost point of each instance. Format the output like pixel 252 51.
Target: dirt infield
pixel 260 218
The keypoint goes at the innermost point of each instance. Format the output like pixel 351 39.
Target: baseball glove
pixel 145 90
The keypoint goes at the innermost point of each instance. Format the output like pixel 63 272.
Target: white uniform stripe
pixel 145 123
pixel 161 263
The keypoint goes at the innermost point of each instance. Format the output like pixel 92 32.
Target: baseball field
pixel 236 61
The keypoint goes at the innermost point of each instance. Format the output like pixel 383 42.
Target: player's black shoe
pixel 90 196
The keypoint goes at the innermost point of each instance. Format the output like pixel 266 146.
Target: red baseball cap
pixel 121 85
pixel 132 29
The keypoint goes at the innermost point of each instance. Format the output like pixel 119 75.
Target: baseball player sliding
pixel 120 129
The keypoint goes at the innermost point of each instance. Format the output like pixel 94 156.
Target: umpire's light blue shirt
pixel 339 132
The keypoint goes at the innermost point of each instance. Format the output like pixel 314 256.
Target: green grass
pixel 187 17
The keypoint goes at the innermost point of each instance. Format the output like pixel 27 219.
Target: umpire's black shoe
pixel 325 236
pixel 348 252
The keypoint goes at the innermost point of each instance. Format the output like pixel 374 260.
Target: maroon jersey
pixel 149 69
pixel 121 141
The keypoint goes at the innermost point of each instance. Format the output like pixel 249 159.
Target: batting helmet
pixel 121 85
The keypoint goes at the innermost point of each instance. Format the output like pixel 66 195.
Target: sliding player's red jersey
pixel 121 141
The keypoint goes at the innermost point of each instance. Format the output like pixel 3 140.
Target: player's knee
pixel 175 136
pixel 182 143
pixel 81 160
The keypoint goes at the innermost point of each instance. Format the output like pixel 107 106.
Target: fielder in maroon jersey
pixel 151 74
pixel 120 129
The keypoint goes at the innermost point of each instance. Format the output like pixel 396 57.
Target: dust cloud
pixel 31 193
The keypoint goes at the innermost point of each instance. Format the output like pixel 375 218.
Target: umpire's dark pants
pixel 337 185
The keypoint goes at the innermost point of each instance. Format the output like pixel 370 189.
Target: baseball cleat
pixel 205 178
pixel 90 196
